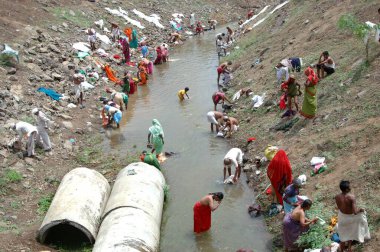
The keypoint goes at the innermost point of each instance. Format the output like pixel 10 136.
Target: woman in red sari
pixel 159 56
pixel 202 211
pixel 280 173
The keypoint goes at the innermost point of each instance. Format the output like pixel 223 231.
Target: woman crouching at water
pixel 202 211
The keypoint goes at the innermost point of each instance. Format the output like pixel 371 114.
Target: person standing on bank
pixel 42 128
pixel 202 211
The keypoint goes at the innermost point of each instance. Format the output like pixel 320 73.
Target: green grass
pixel 44 203
pixel 78 19
pixel 16 204
pixel 27 119
pixel 12 176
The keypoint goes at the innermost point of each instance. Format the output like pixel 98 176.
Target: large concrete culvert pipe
pixel 132 218
pixel 75 212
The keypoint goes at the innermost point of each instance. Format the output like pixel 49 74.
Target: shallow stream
pixel 198 167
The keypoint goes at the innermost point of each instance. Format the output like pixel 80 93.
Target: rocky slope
pixel 347 128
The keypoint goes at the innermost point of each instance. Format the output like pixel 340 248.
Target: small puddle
pixel 198 168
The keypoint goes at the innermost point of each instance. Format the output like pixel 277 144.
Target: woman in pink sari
pixel 125 47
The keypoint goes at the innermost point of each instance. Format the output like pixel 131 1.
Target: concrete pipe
pixel 132 218
pixel 75 212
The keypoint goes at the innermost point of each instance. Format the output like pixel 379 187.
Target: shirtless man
pixel 346 204
pixel 231 124
pixel 223 68
pixel 213 117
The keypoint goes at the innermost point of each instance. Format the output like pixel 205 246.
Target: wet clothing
pixel 144 51
pixel 181 94
pixel 113 112
pixel 292 229
pixel 353 227
pixel 111 74
pixel 309 105
pixel 280 173
pixel 151 160
pixel 202 217
pixel 134 42
pixel 218 97
pixel 290 195
pixel 211 118
pixel 126 86
pixel 157 135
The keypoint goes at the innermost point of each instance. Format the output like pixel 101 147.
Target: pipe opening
pixel 66 235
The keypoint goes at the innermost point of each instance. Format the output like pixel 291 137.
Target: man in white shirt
pixel 25 129
pixel 42 128
pixel 234 156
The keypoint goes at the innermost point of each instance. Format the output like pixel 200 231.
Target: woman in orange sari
pixel 280 173
pixel 111 74
pixel 143 73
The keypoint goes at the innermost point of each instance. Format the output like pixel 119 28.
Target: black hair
pixel 144 152
pixel 187 89
pixel 344 185
pixel 217 194
pixel 105 102
pixel 306 203
pixel 326 53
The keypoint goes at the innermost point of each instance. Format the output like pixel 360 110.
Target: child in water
pixel 181 94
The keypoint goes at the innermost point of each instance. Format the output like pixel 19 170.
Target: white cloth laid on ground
pixel 236 96
pixel 317 160
pixel 211 118
pixel 258 100
pixel 353 227
pixel 235 155
pixel 122 13
pixel 83 47
pixel 154 18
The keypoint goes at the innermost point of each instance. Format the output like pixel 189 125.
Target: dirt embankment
pixel 43 32
pixel 347 128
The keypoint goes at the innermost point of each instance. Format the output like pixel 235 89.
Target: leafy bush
pixel 350 23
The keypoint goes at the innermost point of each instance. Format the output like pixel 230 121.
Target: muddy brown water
pixel 197 169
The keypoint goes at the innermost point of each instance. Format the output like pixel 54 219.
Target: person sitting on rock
pixel 325 65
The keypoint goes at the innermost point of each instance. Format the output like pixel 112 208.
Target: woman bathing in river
pixel 202 211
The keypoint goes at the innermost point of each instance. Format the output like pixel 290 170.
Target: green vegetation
pixel 13 176
pixel 78 18
pixel 44 203
pixel 27 119
pixel 166 192
pixel 318 235
pixel 350 23
pixel 6 60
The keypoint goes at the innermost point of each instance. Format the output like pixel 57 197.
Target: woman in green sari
pixel 134 42
pixel 309 106
pixel 156 137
